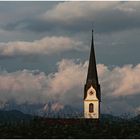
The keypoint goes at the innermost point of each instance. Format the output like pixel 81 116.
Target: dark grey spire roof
pixel 92 77
pixel 92 70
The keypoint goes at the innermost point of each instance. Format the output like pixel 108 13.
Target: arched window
pixel 91 108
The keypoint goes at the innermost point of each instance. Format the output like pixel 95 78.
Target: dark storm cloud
pixel 112 16
pixel 26 29
pixel 18 10
pixel 34 24
pixel 19 15
pixel 59 20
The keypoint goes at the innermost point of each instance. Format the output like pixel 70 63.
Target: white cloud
pixel 23 86
pixel 115 82
pixel 89 11
pixel 120 81
pixel 47 45
pixel 69 76
pixel 106 16
pixel 67 84
pixel 69 12
pixel 28 86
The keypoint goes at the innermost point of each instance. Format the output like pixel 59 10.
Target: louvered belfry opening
pixel 91 108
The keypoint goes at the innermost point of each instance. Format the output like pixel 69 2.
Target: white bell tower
pixel 92 89
pixel 91 104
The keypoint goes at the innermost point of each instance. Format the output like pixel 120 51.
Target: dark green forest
pixel 19 125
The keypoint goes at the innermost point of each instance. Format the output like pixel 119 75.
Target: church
pixel 92 93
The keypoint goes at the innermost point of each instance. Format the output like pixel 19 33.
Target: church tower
pixel 92 97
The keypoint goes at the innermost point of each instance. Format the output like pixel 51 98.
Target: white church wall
pixel 95 113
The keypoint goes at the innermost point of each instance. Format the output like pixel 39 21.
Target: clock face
pixel 91 93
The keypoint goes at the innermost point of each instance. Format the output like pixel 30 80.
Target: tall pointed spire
pixel 92 92
pixel 92 70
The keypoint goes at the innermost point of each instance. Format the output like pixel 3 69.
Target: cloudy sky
pixel 44 52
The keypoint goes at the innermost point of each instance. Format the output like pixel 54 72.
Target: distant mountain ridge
pixel 14 116
pixel 18 116
pixel 51 109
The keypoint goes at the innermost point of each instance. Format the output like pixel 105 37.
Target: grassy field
pixel 71 128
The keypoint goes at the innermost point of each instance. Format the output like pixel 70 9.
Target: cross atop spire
pixel 92 77
pixel 92 42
